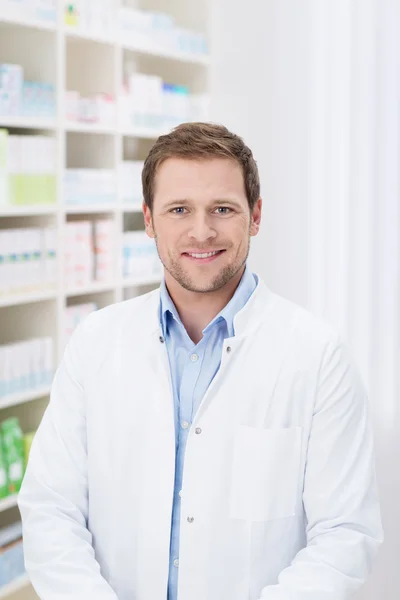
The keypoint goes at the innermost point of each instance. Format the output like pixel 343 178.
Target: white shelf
pixel 92 288
pixel 27 122
pixel 15 586
pixel 29 298
pixel 88 209
pixel 142 132
pixel 28 211
pixel 24 397
pixel 81 34
pixel 9 502
pixel 165 54
pixel 96 128
pixel 18 18
pixel 89 63
pixel 184 57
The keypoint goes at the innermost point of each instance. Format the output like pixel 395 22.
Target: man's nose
pixel 201 228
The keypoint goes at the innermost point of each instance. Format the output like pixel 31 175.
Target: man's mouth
pixel 203 256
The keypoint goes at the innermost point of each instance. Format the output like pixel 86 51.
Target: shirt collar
pixel 243 292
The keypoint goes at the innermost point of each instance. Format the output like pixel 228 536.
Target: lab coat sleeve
pixel 340 497
pixel 53 501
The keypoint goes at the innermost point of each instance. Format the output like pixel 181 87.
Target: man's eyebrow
pixel 223 201
pixel 217 201
pixel 176 201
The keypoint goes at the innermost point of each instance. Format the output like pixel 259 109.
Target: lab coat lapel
pixel 147 399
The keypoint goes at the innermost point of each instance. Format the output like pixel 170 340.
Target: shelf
pixel 15 586
pixel 92 288
pixel 87 209
pixel 130 209
pixel 19 19
pixel 141 132
pixel 79 34
pixel 87 62
pixel 97 128
pixel 24 397
pixel 28 211
pixel 9 502
pixel 27 122
pixel 30 298
pixel 139 282
pixel 184 57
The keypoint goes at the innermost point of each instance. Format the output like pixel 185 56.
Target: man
pixel 210 440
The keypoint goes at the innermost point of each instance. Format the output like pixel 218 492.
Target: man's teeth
pixel 204 255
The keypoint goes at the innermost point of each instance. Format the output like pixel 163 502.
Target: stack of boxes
pixel 27 169
pixel 99 109
pixel 140 257
pixel 26 365
pixel 147 101
pixel 24 98
pixel 89 186
pixel 28 260
pixel 158 31
pixel 96 16
pixel 89 252
pixel 130 182
pixel 147 30
pixel 37 10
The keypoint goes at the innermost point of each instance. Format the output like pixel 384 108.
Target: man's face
pixel 201 221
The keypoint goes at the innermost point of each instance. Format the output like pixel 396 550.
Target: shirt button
pixel 185 424
pixel 190 519
pixel 198 430
pixel 194 357
pixel 176 562
pixel 180 493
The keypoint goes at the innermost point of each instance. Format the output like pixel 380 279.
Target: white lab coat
pixel 279 498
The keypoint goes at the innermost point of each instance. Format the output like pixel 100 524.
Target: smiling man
pixel 209 440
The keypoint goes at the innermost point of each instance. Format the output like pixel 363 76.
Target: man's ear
pixel 148 221
pixel 256 218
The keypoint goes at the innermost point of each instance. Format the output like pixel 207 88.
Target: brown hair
pixel 201 140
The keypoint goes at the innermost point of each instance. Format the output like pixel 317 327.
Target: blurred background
pixel 85 89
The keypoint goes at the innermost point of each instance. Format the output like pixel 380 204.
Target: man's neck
pixel 196 310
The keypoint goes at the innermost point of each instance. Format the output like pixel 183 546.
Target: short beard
pixel 220 281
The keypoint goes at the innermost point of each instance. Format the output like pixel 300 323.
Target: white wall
pixel 260 89
pixel 313 88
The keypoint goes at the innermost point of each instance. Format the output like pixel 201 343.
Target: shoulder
pixel 105 326
pixel 308 336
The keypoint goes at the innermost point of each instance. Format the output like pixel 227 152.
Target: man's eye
pixel 179 210
pixel 223 210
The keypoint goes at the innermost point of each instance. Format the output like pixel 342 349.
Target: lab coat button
pixel 190 519
pixel 198 430
pixel 228 349
pixel 176 562
pixel 161 339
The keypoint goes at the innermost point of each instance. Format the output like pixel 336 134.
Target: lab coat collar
pixel 247 320
pixel 242 294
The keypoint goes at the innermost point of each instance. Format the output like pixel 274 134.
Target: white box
pixel 104 249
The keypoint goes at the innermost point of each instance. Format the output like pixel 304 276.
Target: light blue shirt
pixel 193 367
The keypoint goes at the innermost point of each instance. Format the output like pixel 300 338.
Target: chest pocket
pixel 265 473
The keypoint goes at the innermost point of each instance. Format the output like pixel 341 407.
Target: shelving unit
pixel 89 63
